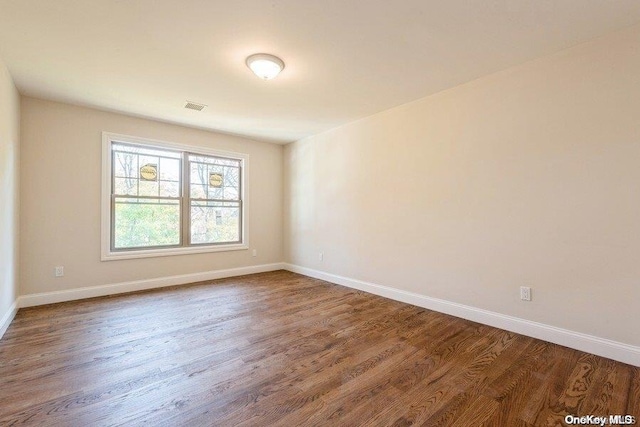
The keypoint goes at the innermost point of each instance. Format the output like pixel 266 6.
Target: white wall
pixel 530 176
pixel 60 190
pixel 9 200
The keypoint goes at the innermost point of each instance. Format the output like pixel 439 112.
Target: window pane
pixel 231 183
pixel 126 187
pixel 199 174
pixel 211 160
pixel 213 181
pixel 230 193
pixel 198 191
pixel 216 193
pixel 149 188
pixel 169 169
pixel 231 177
pixel 125 165
pixel 132 148
pixel 146 223
pixel 169 189
pixel 215 222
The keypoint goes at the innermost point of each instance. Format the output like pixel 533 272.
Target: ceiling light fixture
pixel 264 65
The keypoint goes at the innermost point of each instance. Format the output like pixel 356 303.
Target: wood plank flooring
pixel 281 349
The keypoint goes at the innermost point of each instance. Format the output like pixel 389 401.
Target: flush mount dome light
pixel 264 65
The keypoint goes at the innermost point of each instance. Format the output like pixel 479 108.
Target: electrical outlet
pixel 321 256
pixel 525 293
pixel 254 253
pixel 59 271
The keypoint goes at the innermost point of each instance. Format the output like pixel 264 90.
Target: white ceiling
pixel 344 59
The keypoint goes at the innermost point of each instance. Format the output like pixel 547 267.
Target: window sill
pixel 152 253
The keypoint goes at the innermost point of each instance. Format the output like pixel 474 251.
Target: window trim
pixel 107 254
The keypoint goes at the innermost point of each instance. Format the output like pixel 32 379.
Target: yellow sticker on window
pixel 215 179
pixel 149 172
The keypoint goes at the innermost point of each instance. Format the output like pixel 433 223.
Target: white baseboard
pixel 8 318
pixel 600 346
pixel 140 285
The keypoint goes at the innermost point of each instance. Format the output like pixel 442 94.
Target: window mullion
pixel 186 202
pixel 241 200
pixel 112 205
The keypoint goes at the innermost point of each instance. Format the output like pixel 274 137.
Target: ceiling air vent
pixel 194 106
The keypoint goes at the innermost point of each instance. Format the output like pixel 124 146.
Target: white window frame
pixel 107 254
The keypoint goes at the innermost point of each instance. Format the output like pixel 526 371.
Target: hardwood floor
pixel 281 349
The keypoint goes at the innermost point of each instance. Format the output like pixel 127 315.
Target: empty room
pixel 319 213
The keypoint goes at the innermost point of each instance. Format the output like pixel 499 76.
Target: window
pixel 164 199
